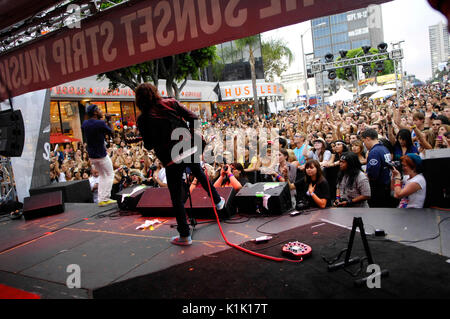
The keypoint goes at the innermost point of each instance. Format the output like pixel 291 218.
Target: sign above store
pixel 241 91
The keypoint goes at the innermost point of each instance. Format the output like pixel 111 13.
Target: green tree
pixel 275 53
pixel 175 69
pixel 388 64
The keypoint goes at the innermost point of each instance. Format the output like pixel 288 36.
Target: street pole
pixel 396 83
pixel 305 73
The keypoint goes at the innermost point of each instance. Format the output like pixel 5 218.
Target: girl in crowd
pixel 285 171
pixel 331 169
pixel 314 187
pixel 319 152
pixel 358 149
pixel 441 140
pixel 353 188
pixel 231 175
pixel 411 190
pixel 403 143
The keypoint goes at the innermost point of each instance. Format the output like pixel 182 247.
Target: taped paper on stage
pixel 266 201
pixel 270 185
pixel 148 223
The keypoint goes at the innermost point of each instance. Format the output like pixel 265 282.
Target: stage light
pixel 348 72
pixel 332 75
pixel 379 66
pixel 343 54
pixel 382 47
pixel 329 57
pixel 366 49
pixel 366 68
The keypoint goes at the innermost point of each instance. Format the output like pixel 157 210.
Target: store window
pixel 55 124
pixel 113 109
pixel 128 113
pixel 70 119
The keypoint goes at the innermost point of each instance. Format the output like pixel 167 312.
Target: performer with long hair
pixel 159 118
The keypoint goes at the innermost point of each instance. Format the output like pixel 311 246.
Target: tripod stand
pixel 348 261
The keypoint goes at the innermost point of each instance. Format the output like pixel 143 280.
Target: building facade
pixel 236 66
pixel 345 31
pixel 439 45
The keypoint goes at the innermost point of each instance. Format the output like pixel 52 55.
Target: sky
pixel 406 20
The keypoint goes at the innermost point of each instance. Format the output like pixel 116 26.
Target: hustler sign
pixel 139 31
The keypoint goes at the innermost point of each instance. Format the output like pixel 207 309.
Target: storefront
pixel 68 103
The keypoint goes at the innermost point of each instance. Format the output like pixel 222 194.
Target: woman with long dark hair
pixel 353 188
pixel 331 169
pixel 313 189
pixel 403 144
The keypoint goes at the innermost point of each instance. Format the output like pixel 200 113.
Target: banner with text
pixel 139 31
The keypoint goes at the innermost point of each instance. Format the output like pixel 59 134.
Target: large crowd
pixel 329 155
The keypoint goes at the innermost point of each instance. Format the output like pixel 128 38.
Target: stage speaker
pixel 264 198
pixel 128 198
pixel 12 133
pixel 43 205
pixel 73 191
pixel 156 202
pixel 437 175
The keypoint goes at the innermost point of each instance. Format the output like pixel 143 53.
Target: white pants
pixel 105 177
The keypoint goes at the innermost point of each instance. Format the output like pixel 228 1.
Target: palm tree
pixel 275 53
pixel 249 45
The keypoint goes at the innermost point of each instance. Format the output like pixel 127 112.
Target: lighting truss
pixel 50 20
pixel 318 67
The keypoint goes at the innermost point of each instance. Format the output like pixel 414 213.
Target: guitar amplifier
pixel 264 198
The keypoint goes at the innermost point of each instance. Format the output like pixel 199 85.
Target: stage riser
pixel 73 191
pixel 157 202
pixel 43 205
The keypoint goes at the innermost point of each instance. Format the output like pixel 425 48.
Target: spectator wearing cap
pixel 319 152
pixel 411 190
pixel 377 169
pixel 95 130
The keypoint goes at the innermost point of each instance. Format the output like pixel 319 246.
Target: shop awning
pixel 61 138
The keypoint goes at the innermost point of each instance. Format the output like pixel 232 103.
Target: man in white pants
pixel 94 131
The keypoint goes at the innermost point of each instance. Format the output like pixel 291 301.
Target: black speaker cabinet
pixel 41 205
pixel 12 133
pixel 73 191
pixel 156 202
pixel 264 198
pixel 437 175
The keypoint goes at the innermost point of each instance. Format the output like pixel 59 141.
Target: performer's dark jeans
pixel 174 174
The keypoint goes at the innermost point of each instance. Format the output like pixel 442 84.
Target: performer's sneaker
pixel 107 202
pixel 220 204
pixel 181 241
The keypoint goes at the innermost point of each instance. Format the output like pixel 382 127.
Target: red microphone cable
pixel 234 245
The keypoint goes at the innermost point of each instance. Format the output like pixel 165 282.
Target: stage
pixel 110 251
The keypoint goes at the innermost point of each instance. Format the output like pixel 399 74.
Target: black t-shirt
pixel 322 191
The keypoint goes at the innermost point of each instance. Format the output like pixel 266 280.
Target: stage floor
pixel 35 255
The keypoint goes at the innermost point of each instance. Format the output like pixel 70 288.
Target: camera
pixel 395 164
pixel 153 167
pixel 302 205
